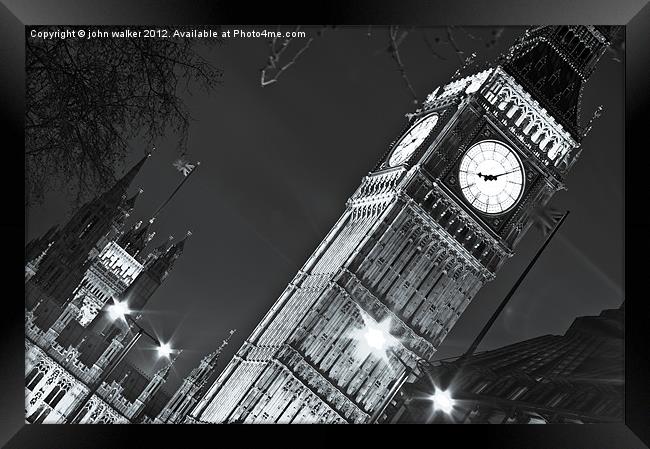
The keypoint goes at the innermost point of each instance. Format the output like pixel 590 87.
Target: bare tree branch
pixel 86 99
pixel 470 35
pixel 431 48
pixel 454 45
pixel 393 48
pixel 274 59
pixel 496 35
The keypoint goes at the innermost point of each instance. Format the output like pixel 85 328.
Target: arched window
pixel 82 414
pixel 39 415
pixel 36 375
pixel 35 379
pixel 53 393
pixel 57 393
pixel 106 419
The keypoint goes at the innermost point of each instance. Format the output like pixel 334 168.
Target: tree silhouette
pixel 284 53
pixel 87 98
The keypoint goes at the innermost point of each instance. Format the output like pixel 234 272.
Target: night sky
pixel 278 163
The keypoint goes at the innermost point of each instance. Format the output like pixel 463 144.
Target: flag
pixel 546 218
pixel 184 166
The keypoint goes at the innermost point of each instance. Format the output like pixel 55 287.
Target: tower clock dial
pixel 412 140
pixel 491 177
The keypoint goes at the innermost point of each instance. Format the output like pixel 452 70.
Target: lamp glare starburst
pixel 164 350
pixel 118 310
pixel 373 338
pixel 442 401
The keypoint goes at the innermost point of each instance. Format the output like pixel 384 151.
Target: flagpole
pixel 178 187
pixel 472 348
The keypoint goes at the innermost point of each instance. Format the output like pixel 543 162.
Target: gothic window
pixel 517 393
pixel 107 419
pixel 57 393
pixel 503 99
pixel 82 414
pixel 556 399
pixel 556 98
pixel 39 415
pixel 554 77
pixel 567 90
pixel 36 375
pixel 563 33
pixel 98 410
pixel 527 68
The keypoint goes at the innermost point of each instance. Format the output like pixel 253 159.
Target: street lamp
pixel 119 310
pixel 164 350
pixel 374 338
pixel 442 401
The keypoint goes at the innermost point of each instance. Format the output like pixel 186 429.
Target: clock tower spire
pixel 553 63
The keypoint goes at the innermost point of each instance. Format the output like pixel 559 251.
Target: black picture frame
pixel 634 14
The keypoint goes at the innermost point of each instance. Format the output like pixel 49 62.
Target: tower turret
pixel 129 204
pixel 62 268
pixel 152 388
pixel 192 388
pixel 125 210
pixel 157 269
pixel 136 239
pixel 111 352
pixel 159 251
pixel 36 246
pixel 161 267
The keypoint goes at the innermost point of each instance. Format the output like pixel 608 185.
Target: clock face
pixel 491 177
pixel 412 140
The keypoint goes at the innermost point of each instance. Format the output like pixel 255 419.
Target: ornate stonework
pixel 408 251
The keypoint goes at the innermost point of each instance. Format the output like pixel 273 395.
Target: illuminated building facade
pixel 72 274
pixel 425 230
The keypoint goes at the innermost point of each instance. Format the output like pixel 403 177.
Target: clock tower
pixel 425 230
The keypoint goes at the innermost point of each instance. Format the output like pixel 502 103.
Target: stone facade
pixel 408 249
pixel 72 351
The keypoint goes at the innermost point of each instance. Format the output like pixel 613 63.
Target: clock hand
pixel 495 177
pixel 486 177
pixel 508 172
pixel 405 142
pixel 412 140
